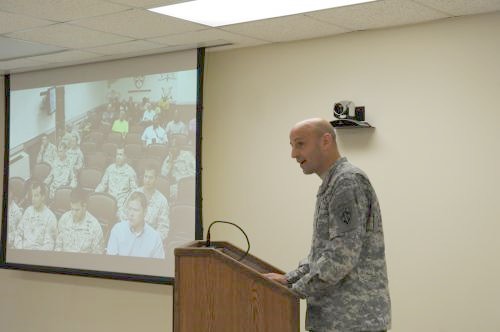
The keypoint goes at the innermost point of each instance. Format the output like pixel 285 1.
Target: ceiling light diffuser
pixel 216 13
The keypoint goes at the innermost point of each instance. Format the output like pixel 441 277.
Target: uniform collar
pixel 329 174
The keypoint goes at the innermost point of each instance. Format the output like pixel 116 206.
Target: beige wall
pixel 432 92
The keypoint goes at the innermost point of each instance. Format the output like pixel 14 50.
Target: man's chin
pixel 307 171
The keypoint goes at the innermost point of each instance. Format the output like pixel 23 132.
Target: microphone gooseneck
pixel 208 243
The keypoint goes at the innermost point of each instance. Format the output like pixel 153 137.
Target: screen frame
pixel 200 65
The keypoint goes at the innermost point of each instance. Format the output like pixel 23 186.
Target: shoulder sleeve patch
pixel 346 208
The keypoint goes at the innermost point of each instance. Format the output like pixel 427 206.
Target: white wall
pixel 432 91
pixel 177 85
pixel 27 104
pixel 80 98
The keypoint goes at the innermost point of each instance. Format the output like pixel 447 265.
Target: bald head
pixel 313 145
pixel 317 125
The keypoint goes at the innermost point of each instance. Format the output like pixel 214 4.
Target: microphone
pixel 208 243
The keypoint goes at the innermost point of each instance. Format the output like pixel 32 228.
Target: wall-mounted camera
pixel 348 114
pixel 344 110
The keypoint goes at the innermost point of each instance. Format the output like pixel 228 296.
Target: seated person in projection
pixel 129 104
pixel 132 110
pixel 154 134
pixel 15 215
pixel 177 165
pixel 37 229
pixel 74 154
pixel 71 131
pixel 158 208
pixel 48 151
pixel 176 126
pixel 149 113
pixel 79 231
pixel 164 104
pixel 108 116
pixel 192 131
pixel 119 179
pixel 62 173
pixel 133 236
pixel 121 125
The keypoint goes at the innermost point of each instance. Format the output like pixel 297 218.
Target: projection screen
pixel 102 167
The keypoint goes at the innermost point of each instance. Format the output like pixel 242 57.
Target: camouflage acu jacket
pixel 344 278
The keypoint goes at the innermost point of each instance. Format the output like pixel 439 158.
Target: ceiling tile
pixel 19 63
pixel 61 10
pixel 146 24
pixel 378 14
pixel 207 37
pixel 66 35
pixel 128 47
pixel 287 28
pixel 68 56
pixel 13 22
pixel 462 7
pixel 14 48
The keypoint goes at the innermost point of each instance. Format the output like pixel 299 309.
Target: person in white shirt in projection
pixel 176 126
pixel 157 215
pixel 134 237
pixel 37 229
pixel 149 114
pixel 154 134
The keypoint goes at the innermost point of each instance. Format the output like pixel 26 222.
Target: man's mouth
pixel 302 162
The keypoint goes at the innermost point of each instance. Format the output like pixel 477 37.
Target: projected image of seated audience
pixel 103 172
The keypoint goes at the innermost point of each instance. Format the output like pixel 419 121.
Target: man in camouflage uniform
pixel 48 151
pixel 158 209
pixel 70 131
pixel 37 229
pixel 344 278
pixel 15 214
pixel 79 231
pixel 74 154
pixel 62 172
pixel 119 180
pixel 177 165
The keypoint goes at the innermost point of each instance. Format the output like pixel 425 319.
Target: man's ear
pixel 326 140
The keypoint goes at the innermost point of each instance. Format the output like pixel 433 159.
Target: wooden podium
pixel 215 291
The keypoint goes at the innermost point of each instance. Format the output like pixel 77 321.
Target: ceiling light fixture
pixel 216 13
